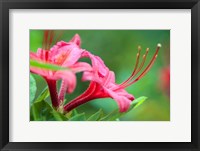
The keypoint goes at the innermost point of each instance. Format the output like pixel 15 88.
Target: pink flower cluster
pixel 102 79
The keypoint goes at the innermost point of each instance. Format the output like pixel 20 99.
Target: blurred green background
pixel 118 49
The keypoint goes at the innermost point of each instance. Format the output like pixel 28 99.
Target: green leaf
pixel 58 116
pixel 79 117
pixel 71 113
pixel 113 116
pixel 96 116
pixel 41 111
pixel 47 66
pixel 33 88
pixel 43 95
pixel 74 112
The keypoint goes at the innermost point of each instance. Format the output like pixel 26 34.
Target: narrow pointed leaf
pixel 47 66
pixel 33 88
pixel 75 112
pixel 41 111
pixel 96 116
pixel 71 114
pixel 113 116
pixel 43 95
pixel 79 117
pixel 58 116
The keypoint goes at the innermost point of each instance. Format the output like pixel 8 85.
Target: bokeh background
pixel 118 49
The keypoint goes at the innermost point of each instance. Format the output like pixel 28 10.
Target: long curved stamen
pixel 58 37
pixel 48 39
pixel 143 61
pixel 135 72
pixel 51 35
pixel 136 65
pixel 147 68
pixel 45 39
pixel 143 73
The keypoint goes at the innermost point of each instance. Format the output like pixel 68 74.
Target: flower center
pixel 61 58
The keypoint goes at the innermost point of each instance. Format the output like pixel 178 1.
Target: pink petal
pixel 69 78
pixel 65 54
pixel 73 57
pixel 34 56
pixel 54 50
pixel 110 78
pixel 122 101
pixel 61 43
pixel 103 70
pixel 76 39
pixel 90 76
pixel 97 63
pixel 40 53
pixel 126 94
pixel 81 66
pixel 39 71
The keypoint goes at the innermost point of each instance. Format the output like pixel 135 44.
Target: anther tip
pixel 159 45
pixel 139 48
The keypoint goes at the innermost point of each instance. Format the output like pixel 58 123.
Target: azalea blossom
pixel 63 54
pixel 103 84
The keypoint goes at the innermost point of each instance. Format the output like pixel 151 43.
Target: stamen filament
pixel 143 61
pixel 44 44
pixel 136 65
pixel 51 35
pixel 138 70
pixel 147 68
pixel 143 73
pixel 58 37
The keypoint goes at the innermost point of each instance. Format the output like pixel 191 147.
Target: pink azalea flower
pixel 103 84
pixel 64 54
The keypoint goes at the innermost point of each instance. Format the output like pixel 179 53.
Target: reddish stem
pixel 53 92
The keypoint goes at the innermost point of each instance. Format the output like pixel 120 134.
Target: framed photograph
pixel 98 75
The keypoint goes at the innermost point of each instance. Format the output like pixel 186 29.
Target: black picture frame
pixel 5 5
